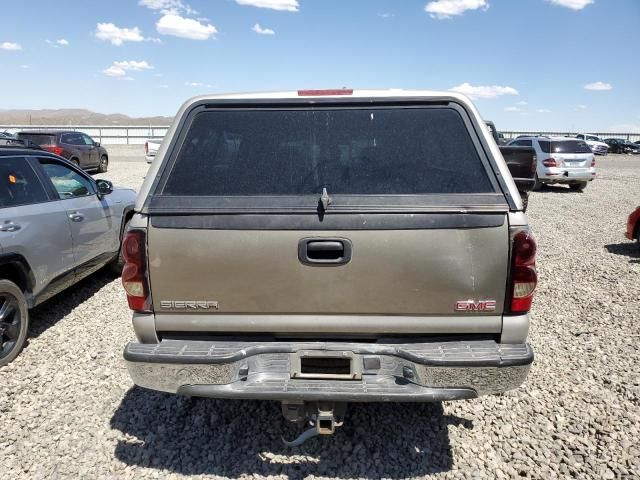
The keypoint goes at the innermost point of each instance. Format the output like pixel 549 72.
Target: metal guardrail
pixel 633 137
pixel 137 134
pixel 108 135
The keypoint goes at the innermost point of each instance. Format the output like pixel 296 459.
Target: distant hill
pixel 75 116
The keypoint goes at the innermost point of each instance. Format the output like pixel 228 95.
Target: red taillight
pixel 134 273
pixel 316 93
pixel 53 149
pixel 523 272
pixel 146 147
pixel 550 162
pixel 593 162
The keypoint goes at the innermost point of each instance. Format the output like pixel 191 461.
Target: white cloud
pixel 116 35
pixel 442 9
pixel 178 26
pixel 386 15
pixel 512 109
pixel 198 84
pixel 58 43
pixel 24 66
pixel 168 6
pixel 262 31
pixel 120 69
pixel 283 5
pixel 114 71
pixel 134 65
pixel 572 4
pixel 491 91
pixel 580 107
pixel 522 103
pixel 543 110
pixel 10 46
pixel 598 86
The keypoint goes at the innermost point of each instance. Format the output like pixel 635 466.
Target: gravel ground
pixel 68 408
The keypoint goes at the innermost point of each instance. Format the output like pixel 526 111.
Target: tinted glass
pixel 347 151
pixel 87 140
pixel 545 146
pixel 39 138
pixel 570 146
pixel 19 184
pixel 67 182
pixel 73 139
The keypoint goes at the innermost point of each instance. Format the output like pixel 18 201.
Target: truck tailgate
pixel 390 272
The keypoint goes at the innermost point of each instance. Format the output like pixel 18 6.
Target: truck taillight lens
pixel 523 272
pixel 146 147
pixel 550 162
pixel 53 149
pixel 593 163
pixel 134 273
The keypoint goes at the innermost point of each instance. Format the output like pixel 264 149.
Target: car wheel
pixel 75 161
pixel 104 164
pixel 578 187
pixel 14 321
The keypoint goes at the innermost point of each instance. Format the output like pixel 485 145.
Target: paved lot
pixel 68 408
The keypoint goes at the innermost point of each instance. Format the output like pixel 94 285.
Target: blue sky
pixel 530 64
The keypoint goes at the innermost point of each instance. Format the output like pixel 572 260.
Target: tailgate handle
pixel 324 251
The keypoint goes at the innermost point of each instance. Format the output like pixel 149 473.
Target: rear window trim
pixel 157 203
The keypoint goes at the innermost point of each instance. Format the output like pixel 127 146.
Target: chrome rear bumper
pixel 407 372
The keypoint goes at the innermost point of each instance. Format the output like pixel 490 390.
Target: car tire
pixel 578 187
pixel 104 164
pixel 75 161
pixel 14 321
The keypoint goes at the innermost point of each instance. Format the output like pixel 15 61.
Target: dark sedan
pixel 620 145
pixel 76 147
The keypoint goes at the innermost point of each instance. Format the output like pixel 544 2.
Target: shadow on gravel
pixel 56 308
pixel 627 249
pixel 242 438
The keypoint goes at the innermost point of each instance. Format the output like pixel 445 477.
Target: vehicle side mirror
pixel 105 187
pixel 96 144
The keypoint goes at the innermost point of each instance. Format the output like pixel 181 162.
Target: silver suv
pixel 561 160
pixel 57 225
pixel 325 247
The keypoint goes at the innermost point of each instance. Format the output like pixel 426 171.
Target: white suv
pixel 597 145
pixel 561 160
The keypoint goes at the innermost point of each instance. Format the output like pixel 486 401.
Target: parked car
pixel 325 247
pixel 620 145
pixel 57 225
pixel 150 150
pixel 598 146
pixel 6 135
pixel 77 147
pixel 521 162
pixel 633 226
pixel 561 160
